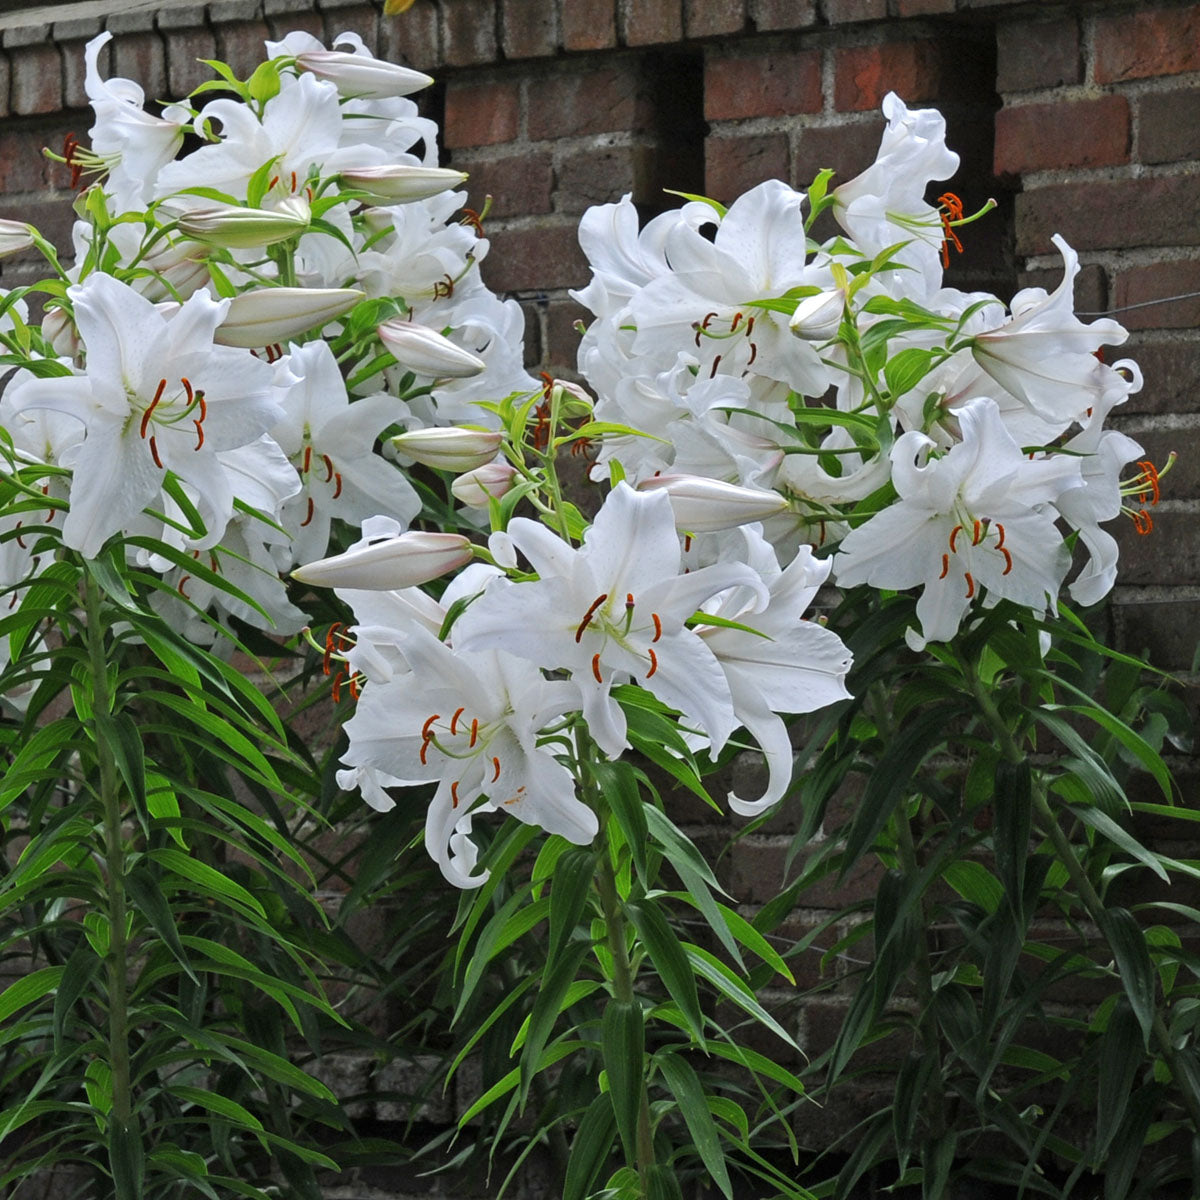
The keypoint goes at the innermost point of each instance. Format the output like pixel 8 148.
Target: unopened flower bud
pixel 449 448
pixel 236 228
pixel 59 330
pixel 818 318
pixel 427 352
pixel 269 315
pixel 489 482
pixel 401 183
pixel 14 237
pixel 704 505
pixel 573 400
pixel 407 560
pixel 362 74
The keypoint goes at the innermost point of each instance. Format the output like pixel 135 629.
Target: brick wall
pixel 1079 118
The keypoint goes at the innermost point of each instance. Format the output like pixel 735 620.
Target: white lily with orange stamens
pixel 470 721
pixel 612 610
pixel 330 442
pixel 155 395
pixel 978 519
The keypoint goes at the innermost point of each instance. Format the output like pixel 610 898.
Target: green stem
pixel 117 961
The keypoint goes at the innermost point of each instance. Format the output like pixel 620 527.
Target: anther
pixel 653 663
pixel 154 453
pixel 657 626
pixel 970 584
pixel 753 354
pixel 180 588
pixel 309 515
pixel 1008 563
pixel 458 712
pixel 496 765
pixel 337 491
pixel 307 460
pixel 187 389
pixel 737 320
pixel 474 731
pixel 454 794
pixel 1000 543
pixel 337 686
pixel 162 384
pixel 328 467
pixel 687 542
pixel 978 533
pixel 596 668
pixel 953 534
pixel 945 566
pixel 354 689
pixel 716 363
pixel 587 616
pixel 20 540
pixel 1151 474
pixel 329 641
pixel 199 433
pixel 427 728
pixel 424 751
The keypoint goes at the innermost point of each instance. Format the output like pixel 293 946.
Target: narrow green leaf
pixel 1138 977
pixel 667 954
pixel 618 782
pixel 208 880
pixel 125 1158
pixel 623 1042
pixel 572 882
pixel 546 1009
pixel 590 1148
pixel 223 1106
pixel 1120 1060
pixel 709 967
pixel 1011 831
pixel 689 1095
pixel 32 987
pixel 1108 828
pixel 78 972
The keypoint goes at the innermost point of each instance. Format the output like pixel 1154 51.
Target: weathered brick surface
pixel 865 74
pixel 562 338
pixel 535 258
pixel 710 18
pixel 1046 54
pixel 846 149
pixel 1147 41
pixel 413 37
pixel 1108 214
pixel 574 103
pixel 733 164
pixel 774 83
pixel 1169 554
pixel 651 22
pixel 1169 126
pixel 519 184
pixel 185 48
pixel 1138 285
pixel 1091 287
pixel 1042 137
pixel 529 28
pixel 602 173
pixel 469 32
pixel 1171 370
pixel 922 8
pixel 36 80
pixel 481 114
pixel 589 24
pixel 843 12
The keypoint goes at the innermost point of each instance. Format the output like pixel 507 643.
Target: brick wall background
pixel 1079 118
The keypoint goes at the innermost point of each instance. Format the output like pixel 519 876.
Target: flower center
pixel 601 619
pixel 169 410
pixel 977 532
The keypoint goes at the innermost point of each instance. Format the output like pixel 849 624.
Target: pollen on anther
pixel 977 533
pixel 199 433
pixel 309 514
pixel 653 663
pixel 945 566
pixel 154 453
pixel 427 728
pixel 970 584
pixel 953 534
pixel 587 616
pixel 474 731
pixel 496 766
pixel 328 467
pixel 1000 542
pixel 180 588
pixel 596 668
pixel 307 459
pixel 337 491
pixel 162 384
pixel 657 626
pixel 1008 560
pixel 454 794
pixel 458 712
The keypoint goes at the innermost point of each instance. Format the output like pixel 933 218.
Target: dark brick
pixel 353 17
pixel 1111 214
pixel 757 873
pixel 779 83
pixel 1080 133
pixel 1091 286
pixel 711 18
pixel 562 338
pixel 73 72
pixel 534 259
pixel 733 164
pixel 922 8
pixel 589 24
pixel 1157 282
pixel 1183 480
pixel 411 37
pixel 651 22
pixel 603 174
pixel 240 44
pixel 865 74
pixel 1168 555
pixel 1169 126
pixel 36 85
pixel 528 28
pixel 783 14
pixel 284 22
pixel 469 32
pixel 1166 632
pixel 519 184
pixel 532 341
pixel 1046 54
pixel 845 12
pixel 1147 42
pixel 23 167
pixel 5 85
pixel 605 100
pixel 185 48
pixel 1170 370
pixel 847 149
pixel 142 57
pixel 481 114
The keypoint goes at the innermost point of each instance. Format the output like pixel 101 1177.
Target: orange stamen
pixel 337 686
pixel 1151 473
pixel 1143 522
pixel 337 491
pixel 1007 560
pixel 953 534
pixel 1000 543
pixel 978 533
pixel 199 433
pixel 587 616
pixel 187 388
pixel 354 686
pixel 307 460
pixel 154 453
pixel 716 363
pixel 753 354
pixel 454 794
pixel 657 627
pixel 474 730
pixel 328 467
pixel 427 728
pixel 945 566
pixel 596 668
pixel 653 663
pixel 458 712
pixel 309 516
pixel 329 645
pixel 423 751
pixel 970 584
pixel 162 384
pixel 496 764
pixel 20 540
pixel 687 543
pixel 180 588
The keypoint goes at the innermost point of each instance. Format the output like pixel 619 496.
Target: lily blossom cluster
pixel 941 441
pixel 250 327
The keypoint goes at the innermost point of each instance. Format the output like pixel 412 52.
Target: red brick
pixel 5 79
pixel 528 28
pixel 1111 214
pixel 534 259
pixel 1169 554
pixel 589 24
pixel 1169 126
pixel 1080 133
pixel 142 57
pixel 74 95
pixel 412 37
pixel 1045 54
pixel 1183 480
pixel 783 14
pixel 240 44
pixel 482 114
pixel 519 184
pixel 23 167
pixel 1142 43
pixel 362 19
pixel 1156 282
pixel 603 174
pixel 36 80
pixel 923 8
pixel 845 12
pixel 1170 369
pixel 652 22
pixel 532 342
pixel 185 49
pixel 847 149
pixel 711 18
pixel 733 164
pixel 865 74
pixel 577 103
pixel 308 22
pixel 469 32
pixel 776 84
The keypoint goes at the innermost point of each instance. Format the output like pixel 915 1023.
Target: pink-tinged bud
pixel 361 74
pixel 267 316
pixel 818 318
pixel 14 237
pixel 235 228
pixel 427 352
pixel 705 505
pixel 449 448
pixel 59 330
pixel 402 184
pixel 489 482
pixel 407 560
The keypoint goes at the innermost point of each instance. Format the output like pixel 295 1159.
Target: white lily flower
pixel 980 517
pixel 470 721
pixel 406 560
pixel 271 315
pixel 612 610
pixel 818 318
pixel 705 505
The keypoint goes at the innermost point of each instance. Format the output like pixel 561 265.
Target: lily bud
pixel 401 183
pixel 14 237
pixel 361 74
pixel 427 352
pixel 705 505
pixel 449 448
pixel 818 318
pixel 573 400
pixel 269 315
pixel 59 330
pixel 489 482
pixel 238 228
pixel 407 560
